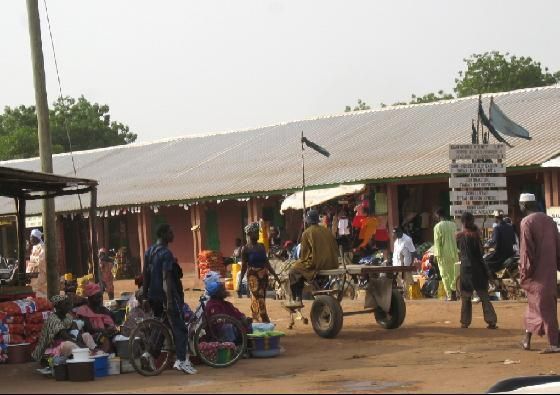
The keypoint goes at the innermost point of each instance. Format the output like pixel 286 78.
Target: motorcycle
pixel 506 279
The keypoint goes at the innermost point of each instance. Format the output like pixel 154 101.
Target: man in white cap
pixel 38 263
pixel 539 261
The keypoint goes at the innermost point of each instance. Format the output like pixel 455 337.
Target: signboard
pixel 480 195
pixel 477 151
pixel 34 222
pixel 477 168
pixel 6 221
pixel 477 182
pixel 480 210
pixel 554 212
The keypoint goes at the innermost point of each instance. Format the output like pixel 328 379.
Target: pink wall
pixel 229 224
pixel 182 246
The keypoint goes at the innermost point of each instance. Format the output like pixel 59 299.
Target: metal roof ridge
pixel 330 116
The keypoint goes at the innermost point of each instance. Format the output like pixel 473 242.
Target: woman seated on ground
pixel 98 320
pixel 218 305
pixel 55 338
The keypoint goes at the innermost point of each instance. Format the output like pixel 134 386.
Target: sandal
pixel 492 326
pixel 525 346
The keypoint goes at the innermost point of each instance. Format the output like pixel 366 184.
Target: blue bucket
pixel 101 365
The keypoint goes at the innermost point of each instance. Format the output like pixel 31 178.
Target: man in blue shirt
pixel 163 289
pixel 503 240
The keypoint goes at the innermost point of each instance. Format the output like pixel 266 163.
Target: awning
pixel 317 196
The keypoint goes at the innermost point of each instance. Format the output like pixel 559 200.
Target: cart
pixel 384 298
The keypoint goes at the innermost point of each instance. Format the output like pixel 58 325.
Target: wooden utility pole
pixel 45 144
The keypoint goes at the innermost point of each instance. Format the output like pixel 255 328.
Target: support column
pixel 198 230
pixel 141 246
pixel 392 211
pixel 548 188
pixel 61 245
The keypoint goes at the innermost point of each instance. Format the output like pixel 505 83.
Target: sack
pixel 430 288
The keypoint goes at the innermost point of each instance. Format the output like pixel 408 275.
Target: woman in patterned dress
pixel 254 262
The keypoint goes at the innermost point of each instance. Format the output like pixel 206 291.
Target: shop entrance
pixel 212 231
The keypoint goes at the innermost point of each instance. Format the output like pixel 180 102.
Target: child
pixel 218 305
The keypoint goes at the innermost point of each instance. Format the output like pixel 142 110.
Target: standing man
pixel 163 288
pixel 538 263
pixel 368 229
pixel 106 265
pixel 319 251
pixel 445 251
pixel 38 263
pixel 403 251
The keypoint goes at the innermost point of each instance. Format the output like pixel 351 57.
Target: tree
pixel 492 72
pixel 88 126
pixel 431 97
pixel 427 98
pixel 360 107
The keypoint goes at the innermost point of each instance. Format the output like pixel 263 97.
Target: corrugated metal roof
pixel 393 142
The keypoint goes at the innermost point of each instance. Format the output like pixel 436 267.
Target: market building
pixel 209 187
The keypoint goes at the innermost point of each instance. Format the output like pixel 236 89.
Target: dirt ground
pixel 430 353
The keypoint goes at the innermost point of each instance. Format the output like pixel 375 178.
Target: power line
pixel 61 97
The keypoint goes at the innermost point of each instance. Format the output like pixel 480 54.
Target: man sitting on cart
pixel 319 251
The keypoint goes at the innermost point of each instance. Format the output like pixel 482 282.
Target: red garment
pixel 217 306
pixel 98 321
pixel 539 261
pixel 357 221
pixel 381 235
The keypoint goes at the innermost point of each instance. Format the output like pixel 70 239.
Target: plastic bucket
pixel 114 366
pixel 122 349
pixel 81 371
pixel 61 372
pixel 19 353
pixel 101 365
pixel 266 343
pixel 223 355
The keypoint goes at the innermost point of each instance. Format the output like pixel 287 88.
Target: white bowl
pixel 81 354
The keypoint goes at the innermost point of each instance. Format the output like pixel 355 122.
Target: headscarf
pixel 91 289
pixel 252 229
pixel 211 277
pixel 213 288
pixel 37 234
pixel 57 300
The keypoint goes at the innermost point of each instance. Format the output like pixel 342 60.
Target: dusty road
pixel 430 353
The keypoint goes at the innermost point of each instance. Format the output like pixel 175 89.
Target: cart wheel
pixel 395 317
pixel 326 316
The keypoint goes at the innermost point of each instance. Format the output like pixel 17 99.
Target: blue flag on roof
pixel 504 125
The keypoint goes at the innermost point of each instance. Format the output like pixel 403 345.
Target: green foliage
pixel 431 97
pixel 360 107
pixel 89 126
pixel 492 72
pixel 427 98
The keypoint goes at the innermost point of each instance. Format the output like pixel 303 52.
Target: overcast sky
pixel 172 68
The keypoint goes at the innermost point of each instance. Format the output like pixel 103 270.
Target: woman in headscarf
pixel 55 338
pixel 254 262
pixel 98 320
pixel 38 263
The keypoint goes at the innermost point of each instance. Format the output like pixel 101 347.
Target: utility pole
pixel 45 143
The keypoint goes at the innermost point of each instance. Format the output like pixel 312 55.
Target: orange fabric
pixel 367 231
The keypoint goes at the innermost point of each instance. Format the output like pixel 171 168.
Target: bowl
pixel 81 354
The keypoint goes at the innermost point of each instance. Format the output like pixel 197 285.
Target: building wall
pixel 229 224
pixel 182 245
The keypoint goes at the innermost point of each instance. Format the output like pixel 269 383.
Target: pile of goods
pixel 211 261
pixel 21 322
pixel 82 281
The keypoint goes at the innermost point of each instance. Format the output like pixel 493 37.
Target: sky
pixel 174 68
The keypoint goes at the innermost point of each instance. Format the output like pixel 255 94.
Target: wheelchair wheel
pixel 220 341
